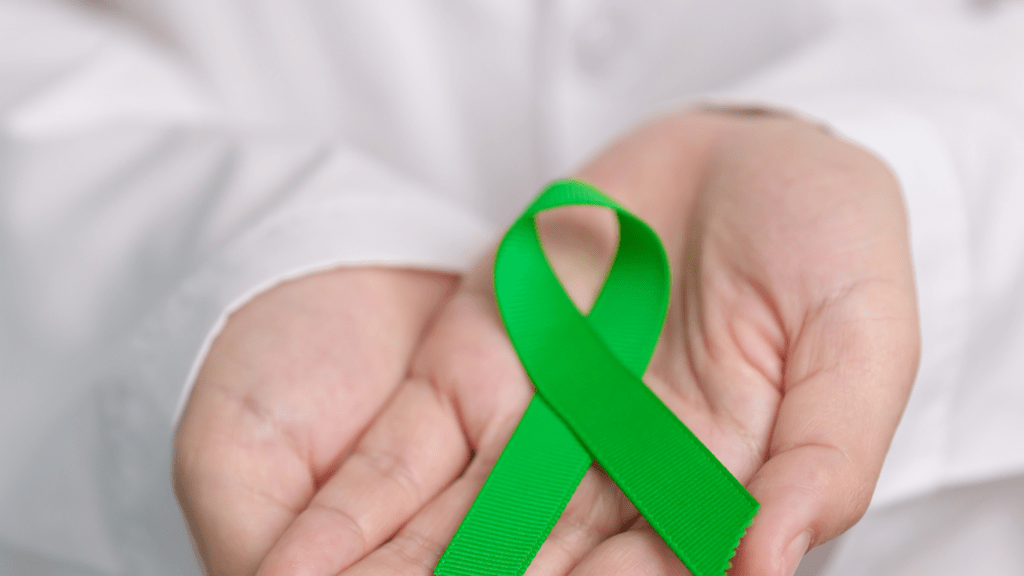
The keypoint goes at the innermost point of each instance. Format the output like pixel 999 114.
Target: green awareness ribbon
pixel 591 404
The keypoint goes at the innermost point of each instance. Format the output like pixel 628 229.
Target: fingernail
pixel 796 550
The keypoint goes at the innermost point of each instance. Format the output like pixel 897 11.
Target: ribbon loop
pixel 592 404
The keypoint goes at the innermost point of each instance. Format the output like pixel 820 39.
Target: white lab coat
pixel 161 161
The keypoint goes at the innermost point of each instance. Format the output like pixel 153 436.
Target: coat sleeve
pixel 938 95
pixel 137 213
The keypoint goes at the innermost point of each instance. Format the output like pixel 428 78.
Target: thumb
pixel 847 381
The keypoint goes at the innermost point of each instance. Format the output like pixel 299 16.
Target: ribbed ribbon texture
pixel 591 404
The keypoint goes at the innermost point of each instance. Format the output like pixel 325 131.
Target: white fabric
pixel 161 161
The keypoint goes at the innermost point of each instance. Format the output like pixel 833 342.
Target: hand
pixel 287 388
pixel 789 350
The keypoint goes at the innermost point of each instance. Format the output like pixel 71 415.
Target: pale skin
pixel 342 423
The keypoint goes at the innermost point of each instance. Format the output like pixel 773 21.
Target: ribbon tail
pixel 524 495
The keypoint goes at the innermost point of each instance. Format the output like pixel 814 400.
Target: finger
pixel 848 379
pixel 408 455
pixel 638 551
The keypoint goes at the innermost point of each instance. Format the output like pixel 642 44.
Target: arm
pixel 135 218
